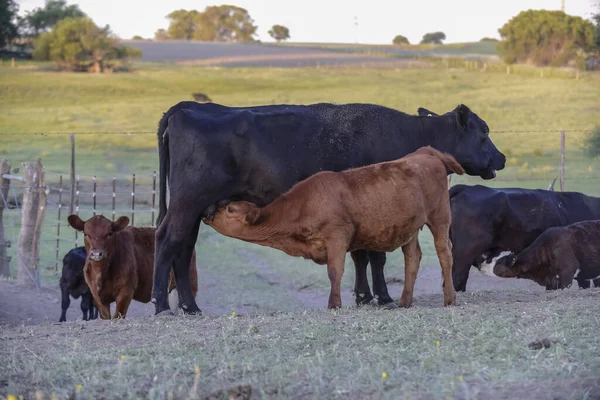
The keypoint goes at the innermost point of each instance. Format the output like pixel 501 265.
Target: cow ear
pixel 423 112
pixel 76 222
pixel 252 215
pixel 120 224
pixel 463 113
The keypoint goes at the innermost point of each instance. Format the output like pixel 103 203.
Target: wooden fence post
pixel 133 201
pixel 114 197
pixel 72 135
pixel 4 186
pixel 76 204
pixel 32 217
pixel 153 197
pixel 60 190
pixel 561 170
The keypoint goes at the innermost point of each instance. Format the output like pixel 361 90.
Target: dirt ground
pixel 24 306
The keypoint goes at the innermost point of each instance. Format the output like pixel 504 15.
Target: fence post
pixel 94 197
pixel 60 190
pixel 114 197
pixel 4 186
pixel 561 170
pixel 153 196
pixel 133 201
pixel 34 208
pixel 76 203
pixel 72 136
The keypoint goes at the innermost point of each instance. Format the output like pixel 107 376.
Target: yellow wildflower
pixel 384 375
pixel 437 342
pixel 79 387
pixel 460 378
pixel 11 397
pixel 197 369
pixel 233 313
pixel 122 357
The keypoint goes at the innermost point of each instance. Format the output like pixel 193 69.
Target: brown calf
pixel 380 207
pixel 559 255
pixel 120 263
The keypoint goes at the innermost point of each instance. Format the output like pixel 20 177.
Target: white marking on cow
pixel 487 268
pixel 592 285
pixel 576 274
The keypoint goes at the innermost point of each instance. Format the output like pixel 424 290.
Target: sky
pixel 378 21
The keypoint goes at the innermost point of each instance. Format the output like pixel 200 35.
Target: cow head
pixel 466 136
pixel 98 234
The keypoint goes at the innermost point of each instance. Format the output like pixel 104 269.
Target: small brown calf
pixel 120 263
pixel 380 207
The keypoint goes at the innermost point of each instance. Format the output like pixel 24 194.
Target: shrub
pixel 592 143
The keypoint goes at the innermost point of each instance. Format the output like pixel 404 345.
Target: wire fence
pixel 104 183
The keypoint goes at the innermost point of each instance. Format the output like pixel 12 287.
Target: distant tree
pixel 543 37
pixel 279 33
pixel 8 21
pixel 399 39
pixel 487 39
pixel 42 19
pixel 161 35
pixel 182 24
pixel 433 37
pixel 223 23
pixel 596 18
pixel 137 37
pixel 592 143
pixel 77 44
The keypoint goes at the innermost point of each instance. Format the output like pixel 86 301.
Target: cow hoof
pixel 389 306
pixel 192 311
pixel 164 313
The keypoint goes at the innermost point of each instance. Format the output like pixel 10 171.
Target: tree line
pixel 539 37
pixel 63 34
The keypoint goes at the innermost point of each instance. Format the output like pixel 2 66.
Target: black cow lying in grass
pixel 73 283
pixel 555 258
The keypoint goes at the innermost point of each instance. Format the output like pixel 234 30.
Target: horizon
pixel 461 21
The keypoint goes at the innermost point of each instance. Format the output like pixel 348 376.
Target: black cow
pixel 73 283
pixel 556 257
pixel 487 222
pixel 212 154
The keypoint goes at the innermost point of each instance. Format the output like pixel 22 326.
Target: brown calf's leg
pixel 123 301
pixel 335 270
pixel 443 248
pixel 412 258
pixel 104 310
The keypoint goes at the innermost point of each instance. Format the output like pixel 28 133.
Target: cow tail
pixel 451 164
pixel 163 157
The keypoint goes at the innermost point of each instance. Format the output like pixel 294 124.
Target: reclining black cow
pixel 489 223
pixel 211 153
pixel 555 258
pixel 73 283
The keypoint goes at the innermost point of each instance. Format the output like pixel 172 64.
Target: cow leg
pixel 123 302
pixel 362 291
pixel 412 258
pixel 380 289
pixel 93 310
pixel 335 271
pixel 65 303
pixel 104 311
pixel 86 299
pixel 182 228
pixel 583 283
pixel 443 248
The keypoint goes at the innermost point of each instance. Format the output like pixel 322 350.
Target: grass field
pixel 483 350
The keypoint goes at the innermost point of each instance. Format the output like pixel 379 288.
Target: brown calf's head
pixel 235 216
pixel 98 234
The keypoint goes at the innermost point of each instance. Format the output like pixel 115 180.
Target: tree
pixel 41 20
pixel 596 18
pixel 161 35
pixel 223 23
pixel 543 37
pixel 433 37
pixel 592 143
pixel 399 39
pixel 8 21
pixel 78 44
pixel 279 33
pixel 137 37
pixel 487 39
